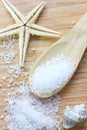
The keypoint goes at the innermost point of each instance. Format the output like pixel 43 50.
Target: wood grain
pixel 59 15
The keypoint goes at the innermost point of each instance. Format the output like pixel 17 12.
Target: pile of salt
pixel 52 75
pixel 26 112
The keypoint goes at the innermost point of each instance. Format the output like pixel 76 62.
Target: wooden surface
pixel 59 15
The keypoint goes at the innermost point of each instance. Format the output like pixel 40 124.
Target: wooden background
pixel 59 15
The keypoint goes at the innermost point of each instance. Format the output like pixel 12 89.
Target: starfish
pixel 24 27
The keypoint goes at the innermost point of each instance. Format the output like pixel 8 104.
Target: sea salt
pixel 27 112
pixel 15 71
pixel 8 53
pixel 7 57
pixel 8 44
pixel 24 111
pixel 53 74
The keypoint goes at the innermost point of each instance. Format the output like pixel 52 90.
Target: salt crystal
pixel 8 85
pixel 12 88
pixel 3 128
pixel 15 76
pixel 73 22
pixel 8 94
pixel 53 74
pixel 5 111
pixel 6 100
pixel 4 89
pixel 34 56
pixel 33 49
pixel 3 77
pixel 1 117
pixel 11 81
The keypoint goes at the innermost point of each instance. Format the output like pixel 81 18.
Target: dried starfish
pixel 25 26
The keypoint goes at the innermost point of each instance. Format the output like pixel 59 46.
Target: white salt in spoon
pixel 73 46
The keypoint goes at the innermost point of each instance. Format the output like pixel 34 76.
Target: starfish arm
pixel 16 14
pixel 13 29
pixel 7 29
pixel 26 41
pixel 33 15
pixel 11 33
pixel 23 44
pixel 40 28
pixel 41 31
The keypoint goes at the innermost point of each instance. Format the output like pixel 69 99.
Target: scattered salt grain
pixel 1 117
pixel 0 85
pixel 11 81
pixel 73 22
pixel 9 94
pixel 4 90
pixel 4 77
pixel 34 56
pixel 6 100
pixel 8 85
pixel 15 71
pixel 8 44
pixel 12 88
pixel 27 112
pixel 8 53
pixel 33 49
pixel 3 128
pixel 8 57
pixel 53 74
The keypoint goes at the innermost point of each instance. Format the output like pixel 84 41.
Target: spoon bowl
pixel 72 45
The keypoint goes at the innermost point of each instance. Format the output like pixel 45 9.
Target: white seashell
pixel 74 115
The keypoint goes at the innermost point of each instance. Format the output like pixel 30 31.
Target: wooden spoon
pixel 73 45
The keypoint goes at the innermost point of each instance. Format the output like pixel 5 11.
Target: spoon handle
pixel 79 41
pixel 74 43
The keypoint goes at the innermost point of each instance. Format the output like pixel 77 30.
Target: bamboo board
pixel 59 15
